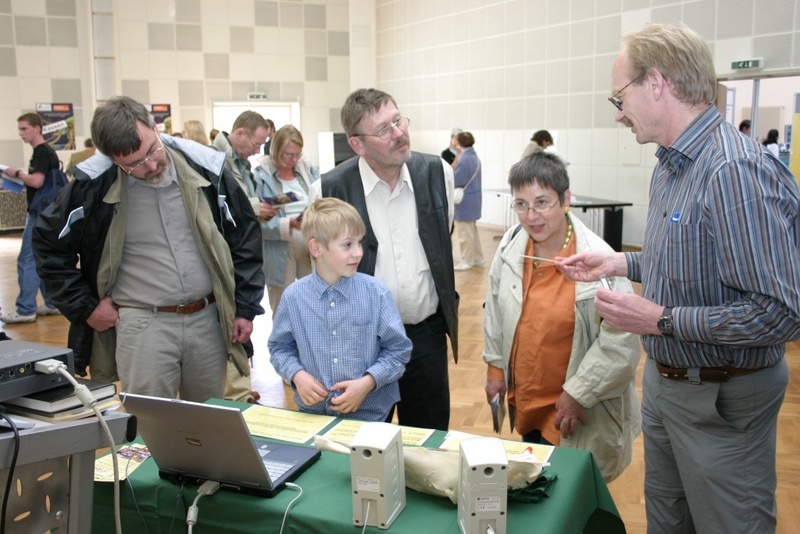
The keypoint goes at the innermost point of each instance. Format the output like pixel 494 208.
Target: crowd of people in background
pixel 160 249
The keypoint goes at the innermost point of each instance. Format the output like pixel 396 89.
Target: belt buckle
pixel 180 309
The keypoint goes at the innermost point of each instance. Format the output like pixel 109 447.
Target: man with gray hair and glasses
pixel 406 201
pixel 720 274
pixel 169 278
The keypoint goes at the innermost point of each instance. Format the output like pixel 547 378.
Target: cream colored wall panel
pixel 633 185
pixel 337 94
pixel 216 39
pixel 289 41
pixel 132 34
pixel 444 116
pixel 604 147
pixel 285 67
pixel 127 10
pixel 63 62
pixel 34 8
pixel 9 88
pixel 162 65
pixel 629 151
pixel 167 91
pixel 134 64
pixel 337 18
pixel 159 10
pixel 214 12
pixel 576 146
pixel 631 21
pixel 316 94
pixel 32 61
pixel 240 12
pixel 242 66
pixel 338 69
pixel 189 66
pixel 33 90
pixel 534 114
pixel 728 50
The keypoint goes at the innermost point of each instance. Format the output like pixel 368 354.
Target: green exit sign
pixel 746 64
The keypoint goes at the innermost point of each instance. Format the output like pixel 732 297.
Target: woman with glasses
pixel 568 376
pixel 279 176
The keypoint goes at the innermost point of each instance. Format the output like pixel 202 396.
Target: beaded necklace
pixel 566 240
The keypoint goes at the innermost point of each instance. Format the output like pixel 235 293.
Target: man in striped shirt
pixel 720 274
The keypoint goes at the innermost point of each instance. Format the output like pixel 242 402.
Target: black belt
pixel 181 309
pixel 707 374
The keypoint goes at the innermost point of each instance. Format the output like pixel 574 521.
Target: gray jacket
pixel 602 365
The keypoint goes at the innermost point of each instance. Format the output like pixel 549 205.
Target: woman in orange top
pixel 569 377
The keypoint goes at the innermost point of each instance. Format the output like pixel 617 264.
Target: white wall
pixel 505 68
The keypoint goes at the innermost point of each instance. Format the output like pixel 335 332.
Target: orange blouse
pixel 542 345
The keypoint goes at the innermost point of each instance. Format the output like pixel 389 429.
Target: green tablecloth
pixel 579 502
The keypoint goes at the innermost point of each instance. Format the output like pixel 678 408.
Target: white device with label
pixel 377 475
pixel 483 486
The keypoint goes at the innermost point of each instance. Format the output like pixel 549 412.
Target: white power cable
pixel 366 517
pixel 209 487
pixel 286 513
pixel 52 366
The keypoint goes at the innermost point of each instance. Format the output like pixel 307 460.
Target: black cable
pixel 133 496
pixel 180 497
pixel 10 480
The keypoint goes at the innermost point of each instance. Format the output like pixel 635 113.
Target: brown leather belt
pixel 707 374
pixel 181 309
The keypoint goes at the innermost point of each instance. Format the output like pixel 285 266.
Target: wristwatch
pixel 16 174
pixel 665 325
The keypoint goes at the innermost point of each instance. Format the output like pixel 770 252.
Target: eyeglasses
pixel 618 101
pixel 150 155
pixel 254 143
pixel 541 205
pixel 401 123
pixel 290 156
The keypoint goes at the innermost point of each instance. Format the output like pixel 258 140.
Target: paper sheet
pixel 540 453
pixel 285 425
pixel 129 457
pixel 347 428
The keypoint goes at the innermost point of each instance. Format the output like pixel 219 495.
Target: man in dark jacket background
pixel 170 276
pixel 406 201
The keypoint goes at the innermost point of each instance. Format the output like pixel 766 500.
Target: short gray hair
pixel 114 126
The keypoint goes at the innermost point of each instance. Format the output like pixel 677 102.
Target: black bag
pixel 45 195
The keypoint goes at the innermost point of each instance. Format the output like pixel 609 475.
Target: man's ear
pixel 314 248
pixel 357 144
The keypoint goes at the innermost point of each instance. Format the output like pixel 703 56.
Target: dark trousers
pixel 425 387
pixel 535 436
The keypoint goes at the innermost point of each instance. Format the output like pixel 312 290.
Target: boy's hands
pixel 309 388
pixel 354 393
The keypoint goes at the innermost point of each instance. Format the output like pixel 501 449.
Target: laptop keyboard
pixel 275 469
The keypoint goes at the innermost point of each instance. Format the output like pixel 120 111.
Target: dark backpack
pixel 53 183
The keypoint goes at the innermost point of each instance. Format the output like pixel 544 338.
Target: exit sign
pixel 746 64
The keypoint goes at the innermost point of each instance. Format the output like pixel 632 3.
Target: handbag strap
pixel 474 174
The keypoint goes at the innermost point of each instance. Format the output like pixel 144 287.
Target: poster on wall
pixel 58 126
pixel 162 114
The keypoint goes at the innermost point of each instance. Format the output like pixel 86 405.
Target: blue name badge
pixel 676 217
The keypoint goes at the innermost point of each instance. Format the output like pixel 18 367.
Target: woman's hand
pixel 493 387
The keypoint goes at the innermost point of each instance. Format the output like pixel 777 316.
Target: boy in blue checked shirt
pixel 337 337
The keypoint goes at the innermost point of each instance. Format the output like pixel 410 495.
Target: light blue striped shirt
pixel 721 246
pixel 341 332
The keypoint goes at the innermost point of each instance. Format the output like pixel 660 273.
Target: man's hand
pixel 493 387
pixel 591 266
pixel 310 390
pixel 628 312
pixel 355 391
pixel 568 414
pixel 296 223
pixel 242 328
pixel 104 316
pixel 267 211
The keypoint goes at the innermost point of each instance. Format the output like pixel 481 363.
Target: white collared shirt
pixel 401 263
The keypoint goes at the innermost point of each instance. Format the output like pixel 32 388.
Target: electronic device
pixel 377 474
pixel 192 442
pixel 483 486
pixel 17 374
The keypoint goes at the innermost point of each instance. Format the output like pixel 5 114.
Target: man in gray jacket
pixel 170 278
